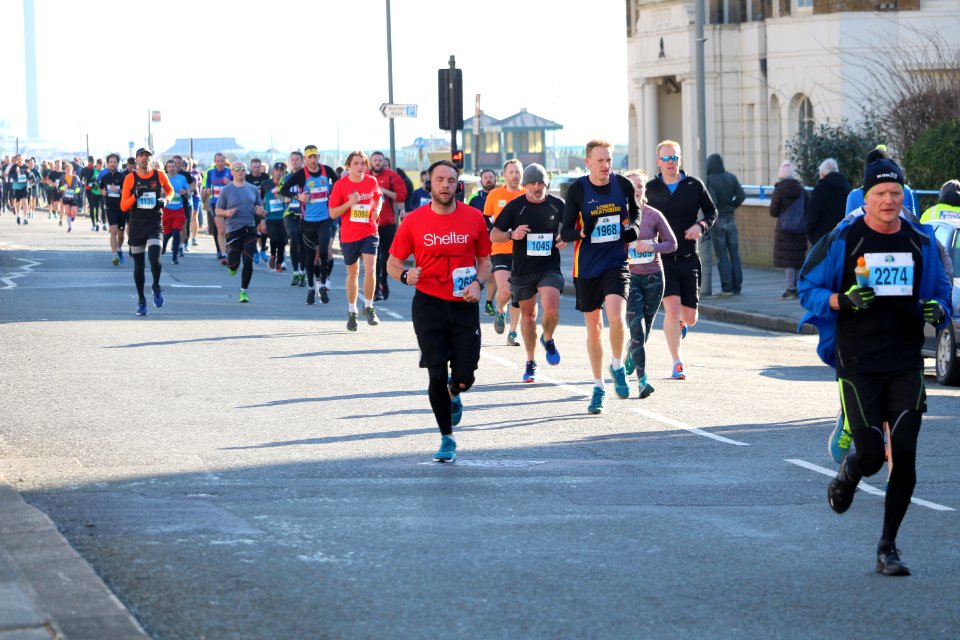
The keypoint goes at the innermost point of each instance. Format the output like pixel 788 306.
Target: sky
pixel 297 72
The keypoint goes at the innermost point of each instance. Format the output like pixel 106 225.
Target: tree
pixel 935 156
pixel 846 143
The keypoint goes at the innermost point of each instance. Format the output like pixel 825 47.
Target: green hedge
pixel 935 157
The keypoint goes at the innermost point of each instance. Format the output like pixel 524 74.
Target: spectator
pixel 827 202
pixel 789 249
pixel 948 205
pixel 727 194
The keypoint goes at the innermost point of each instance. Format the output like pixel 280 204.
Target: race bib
pixel 216 191
pixel 424 201
pixel 175 199
pixel 113 191
pixel 147 201
pixel 22 178
pixel 891 274
pixel 639 257
pixel 275 206
pixel 360 213
pixel 463 278
pixel 539 244
pixel 68 195
pixel 318 194
pixel 607 230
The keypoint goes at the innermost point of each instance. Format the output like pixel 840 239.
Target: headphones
pixel 443 163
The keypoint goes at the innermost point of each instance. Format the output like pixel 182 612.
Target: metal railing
pixel 763 191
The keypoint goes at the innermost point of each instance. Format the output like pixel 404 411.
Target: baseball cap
pixel 310 150
pixel 144 150
pixel 280 166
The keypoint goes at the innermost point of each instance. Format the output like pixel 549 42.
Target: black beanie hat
pixel 880 168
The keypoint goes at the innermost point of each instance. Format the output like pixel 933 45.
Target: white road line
pixel 863 485
pixel 392 314
pixel 23 271
pixel 196 286
pixel 686 427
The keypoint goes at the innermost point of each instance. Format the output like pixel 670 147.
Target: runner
pixel 871 330
pixel 291 223
pixel 501 256
pixel 216 178
pixel 88 176
pixel 680 198
pixel 174 219
pixel 111 184
pixel 421 195
pixel 312 186
pixel 34 180
pixel 71 195
pixel 488 180
pixel 600 214
pixel 274 205
pixel 358 196
pixel 189 212
pixel 257 177
pixel 394 191
pixel 646 280
pixel 239 204
pixel 143 196
pixel 451 248
pixel 533 224
pixel 18 180
pixel 196 219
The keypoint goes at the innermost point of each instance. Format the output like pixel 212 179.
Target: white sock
pixel 615 363
pixel 368 304
pixel 600 384
pixel 678 362
pixel 352 308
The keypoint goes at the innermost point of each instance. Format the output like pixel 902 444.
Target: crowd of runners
pixel 635 249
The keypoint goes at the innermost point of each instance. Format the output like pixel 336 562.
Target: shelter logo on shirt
pixel 432 239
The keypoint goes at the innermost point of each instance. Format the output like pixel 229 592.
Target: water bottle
pixel 863 272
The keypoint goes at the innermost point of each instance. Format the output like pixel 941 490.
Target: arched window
pixel 801 113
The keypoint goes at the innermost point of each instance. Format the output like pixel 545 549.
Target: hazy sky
pixel 295 72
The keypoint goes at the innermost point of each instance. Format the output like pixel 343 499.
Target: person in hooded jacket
pixel 948 205
pixel 827 202
pixel 727 194
pixel 789 249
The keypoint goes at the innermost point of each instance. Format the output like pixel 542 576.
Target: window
pixel 803 6
pixel 467 142
pixel 805 113
pixel 491 143
pixel 956 251
pixel 535 141
pixel 508 143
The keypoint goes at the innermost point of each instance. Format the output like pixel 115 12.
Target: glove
pixel 589 223
pixel 932 311
pixel 857 298
pixel 629 233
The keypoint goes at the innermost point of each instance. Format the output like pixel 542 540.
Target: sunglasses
pixel 669 158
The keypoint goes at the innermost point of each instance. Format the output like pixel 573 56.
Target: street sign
pixel 398 110
pixel 419 143
pixel 155 116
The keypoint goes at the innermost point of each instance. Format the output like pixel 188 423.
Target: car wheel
pixel 948 365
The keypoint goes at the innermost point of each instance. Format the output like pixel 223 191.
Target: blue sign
pixel 411 111
pixel 419 143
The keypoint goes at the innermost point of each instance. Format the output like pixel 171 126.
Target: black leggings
pixel 139 265
pixel 241 244
pixel 439 393
pixel 646 292
pixel 387 233
pixel 291 224
pixel 278 239
pixel 94 201
pixel 316 235
pixel 868 401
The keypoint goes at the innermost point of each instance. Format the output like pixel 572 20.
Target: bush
pixel 846 143
pixel 935 157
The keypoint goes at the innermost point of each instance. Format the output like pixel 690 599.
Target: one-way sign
pixel 398 110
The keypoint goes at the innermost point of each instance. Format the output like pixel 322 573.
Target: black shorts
pixel 55 195
pixel 681 277
pixel 118 218
pixel 446 331
pixel 502 261
pixel 591 292
pixel 870 398
pixel 137 235
pixel 525 288
pixel 20 194
pixel 352 250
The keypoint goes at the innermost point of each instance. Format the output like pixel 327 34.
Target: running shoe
pixel 889 562
pixel 499 322
pixel 264 256
pixel 645 387
pixel 456 410
pixel 324 295
pixel 628 364
pixel 231 271
pixel 26 222
pixel 596 402
pixel 273 262
pixel 279 268
pixel 177 261
pixel 158 297
pixel 372 318
pixel 243 296
pixel 553 356
pixel 18 220
pixel 116 259
pixel 512 339
pixel 303 280
pixel 841 490
pixel 295 280
pixel 839 441
pixel 488 309
pixel 620 385
pixel 311 296
pixel 447 451
pixel 378 296
pixel 120 254
pixel 193 242
pixel 386 290
pixel 683 329
pixel 180 250
pixel 351 321
pixel 141 307
pixel 256 257
pixel 678 372
pixel 530 374
pixel 184 249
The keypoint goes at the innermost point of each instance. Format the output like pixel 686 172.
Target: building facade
pixel 770 65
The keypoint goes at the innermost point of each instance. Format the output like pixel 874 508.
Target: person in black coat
pixel 789 249
pixel 827 202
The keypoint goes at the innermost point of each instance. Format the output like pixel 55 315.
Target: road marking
pixel 686 427
pixel 395 316
pixel 26 269
pixel 863 485
pixel 196 286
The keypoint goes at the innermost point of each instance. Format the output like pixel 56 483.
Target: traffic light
pixel 457 159
pixel 450 98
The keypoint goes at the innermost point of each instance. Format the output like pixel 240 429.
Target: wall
pixel 756 227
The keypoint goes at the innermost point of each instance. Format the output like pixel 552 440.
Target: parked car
pixel 942 346
pixel 559 184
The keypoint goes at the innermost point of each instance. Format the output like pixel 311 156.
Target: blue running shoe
pixel 499 322
pixel 620 382
pixel 158 297
pixel 256 260
pixel 596 402
pixel 839 442
pixel 530 375
pixel 678 372
pixel 683 329
pixel 553 356
pixel 456 410
pixel 447 451
pixel 142 308
pixel 645 387
pixel 120 255
pixel 628 364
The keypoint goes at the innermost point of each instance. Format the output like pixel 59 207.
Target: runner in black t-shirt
pixel 257 177
pixel 532 221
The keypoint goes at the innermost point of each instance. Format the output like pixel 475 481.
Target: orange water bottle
pixel 863 272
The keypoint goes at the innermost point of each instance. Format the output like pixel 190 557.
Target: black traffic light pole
pixel 450 98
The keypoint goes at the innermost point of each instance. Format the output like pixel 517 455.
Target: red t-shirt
pixel 357 223
pixel 440 244
pixel 392 181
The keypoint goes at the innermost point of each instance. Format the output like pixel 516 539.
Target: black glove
pixel 932 311
pixel 629 233
pixel 589 222
pixel 856 298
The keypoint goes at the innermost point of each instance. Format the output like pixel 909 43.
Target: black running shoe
pixel 311 296
pixel 324 295
pixel 841 490
pixel 351 321
pixel 889 562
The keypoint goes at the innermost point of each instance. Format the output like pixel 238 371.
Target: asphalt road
pixel 256 471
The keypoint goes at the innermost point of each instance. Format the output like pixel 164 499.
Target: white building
pixel 768 67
